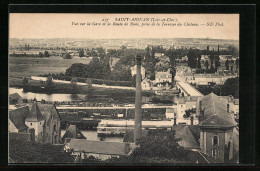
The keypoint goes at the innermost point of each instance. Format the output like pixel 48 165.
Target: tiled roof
pixel 215 112
pixel 73 132
pixel 188 139
pixel 189 89
pixel 34 114
pixel 98 147
pixel 47 110
pixel 18 116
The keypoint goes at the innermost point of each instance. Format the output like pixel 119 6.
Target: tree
pixel 41 55
pixel 227 64
pixel 121 73
pixel 25 81
pixel 192 59
pixel 46 54
pixel 74 82
pixel 31 152
pixel 211 57
pixel 89 83
pixel 49 82
pixel 217 62
pixel 95 68
pixel 77 70
pixel 233 50
pixel 237 63
pixel 67 56
pixel 231 87
pixel 81 53
pixel 162 144
pixel 199 63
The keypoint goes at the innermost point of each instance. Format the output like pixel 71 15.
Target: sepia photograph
pixel 113 88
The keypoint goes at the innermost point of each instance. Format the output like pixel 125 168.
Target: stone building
pixel 163 76
pixel 42 119
pixel 218 132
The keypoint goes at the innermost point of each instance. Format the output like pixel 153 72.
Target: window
pixel 54 127
pixel 31 124
pixel 215 140
pixel 40 123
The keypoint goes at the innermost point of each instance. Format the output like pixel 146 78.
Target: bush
pixel 30 152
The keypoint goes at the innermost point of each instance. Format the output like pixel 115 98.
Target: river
pixel 46 97
pixel 92 135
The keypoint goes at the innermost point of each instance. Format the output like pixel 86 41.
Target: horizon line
pixel 130 38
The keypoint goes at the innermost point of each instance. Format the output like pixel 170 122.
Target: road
pixel 84 84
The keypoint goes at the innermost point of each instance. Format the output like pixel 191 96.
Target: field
pixel 27 66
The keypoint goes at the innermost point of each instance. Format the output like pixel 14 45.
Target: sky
pixel 60 25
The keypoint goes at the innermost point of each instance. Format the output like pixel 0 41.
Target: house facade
pixel 163 76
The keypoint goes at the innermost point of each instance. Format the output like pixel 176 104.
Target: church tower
pixel 217 128
pixel 35 121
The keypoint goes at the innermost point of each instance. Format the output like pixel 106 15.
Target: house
pixel 146 84
pixel 42 119
pixel 184 104
pixel 233 105
pixel 218 132
pixel 219 79
pixel 99 149
pixel 133 71
pixel 158 55
pixel 163 76
pixel 72 132
pixel 170 113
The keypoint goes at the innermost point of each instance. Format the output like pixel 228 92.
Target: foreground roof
pixel 215 112
pixel 188 135
pixel 98 147
pixel 73 132
pixel 18 116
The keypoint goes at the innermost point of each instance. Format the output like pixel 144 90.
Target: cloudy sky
pixel 25 25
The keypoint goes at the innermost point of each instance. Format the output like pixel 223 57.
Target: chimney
pixel 138 114
pixel 191 119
